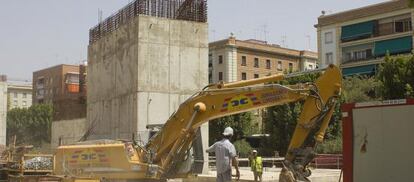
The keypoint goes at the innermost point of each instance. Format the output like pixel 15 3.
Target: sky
pixel 43 33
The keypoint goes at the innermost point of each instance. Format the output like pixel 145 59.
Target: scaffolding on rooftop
pixel 189 10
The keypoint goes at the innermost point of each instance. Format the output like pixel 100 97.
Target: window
pixel 15 102
pixel 311 67
pixel 403 25
pixel 328 58
pixel 243 61
pixel 328 37
pixel 290 67
pixel 40 82
pixel 24 103
pixel 220 59
pixel 268 65
pixel 24 95
pixel 15 95
pixel 256 62
pixel 279 65
pixel 256 75
pixel 244 76
pixel 210 78
pixel 357 55
pixel 72 78
pixel 220 76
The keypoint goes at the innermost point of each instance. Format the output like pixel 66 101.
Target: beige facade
pixel 358 39
pixel 232 60
pixel 19 95
pixel 3 111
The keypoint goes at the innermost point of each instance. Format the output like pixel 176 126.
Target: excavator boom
pixel 163 156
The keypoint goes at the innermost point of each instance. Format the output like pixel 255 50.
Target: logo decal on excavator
pixel 88 156
pixel 240 101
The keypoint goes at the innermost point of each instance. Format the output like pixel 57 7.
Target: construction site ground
pixel 270 174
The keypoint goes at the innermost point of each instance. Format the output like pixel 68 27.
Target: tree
pixel 241 124
pixel 411 3
pixel 396 75
pixel 359 89
pixel 243 148
pixel 280 121
pixel 30 125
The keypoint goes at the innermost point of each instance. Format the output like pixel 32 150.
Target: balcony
pixel 376 28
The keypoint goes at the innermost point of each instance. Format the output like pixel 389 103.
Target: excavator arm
pixel 170 146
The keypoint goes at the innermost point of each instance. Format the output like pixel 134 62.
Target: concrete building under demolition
pixel 142 63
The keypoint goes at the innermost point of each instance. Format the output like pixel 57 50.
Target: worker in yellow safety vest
pixel 256 165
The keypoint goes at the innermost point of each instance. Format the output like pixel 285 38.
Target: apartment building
pixel 19 94
pixel 232 60
pixel 59 86
pixel 357 40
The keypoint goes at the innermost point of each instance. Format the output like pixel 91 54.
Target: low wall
pixel 69 131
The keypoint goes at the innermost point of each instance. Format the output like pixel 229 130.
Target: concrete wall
pixel 3 112
pixel 70 131
pixel 140 73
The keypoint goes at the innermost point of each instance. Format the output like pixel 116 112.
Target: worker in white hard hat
pixel 225 156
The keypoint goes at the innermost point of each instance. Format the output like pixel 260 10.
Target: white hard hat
pixel 228 131
pixel 254 151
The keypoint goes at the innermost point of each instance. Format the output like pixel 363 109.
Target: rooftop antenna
pixel 284 40
pixel 309 42
pixel 100 12
pixel 214 34
pixel 265 32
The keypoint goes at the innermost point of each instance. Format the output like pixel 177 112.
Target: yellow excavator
pixel 168 153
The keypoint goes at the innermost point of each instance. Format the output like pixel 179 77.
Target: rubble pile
pixel 38 163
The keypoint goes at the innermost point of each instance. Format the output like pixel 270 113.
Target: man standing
pixel 256 165
pixel 225 156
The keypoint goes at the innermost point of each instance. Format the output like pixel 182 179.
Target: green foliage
pixel 241 124
pixel 332 146
pixel 411 3
pixel 243 148
pixel 280 122
pixel 30 125
pixel 396 75
pixel 359 89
